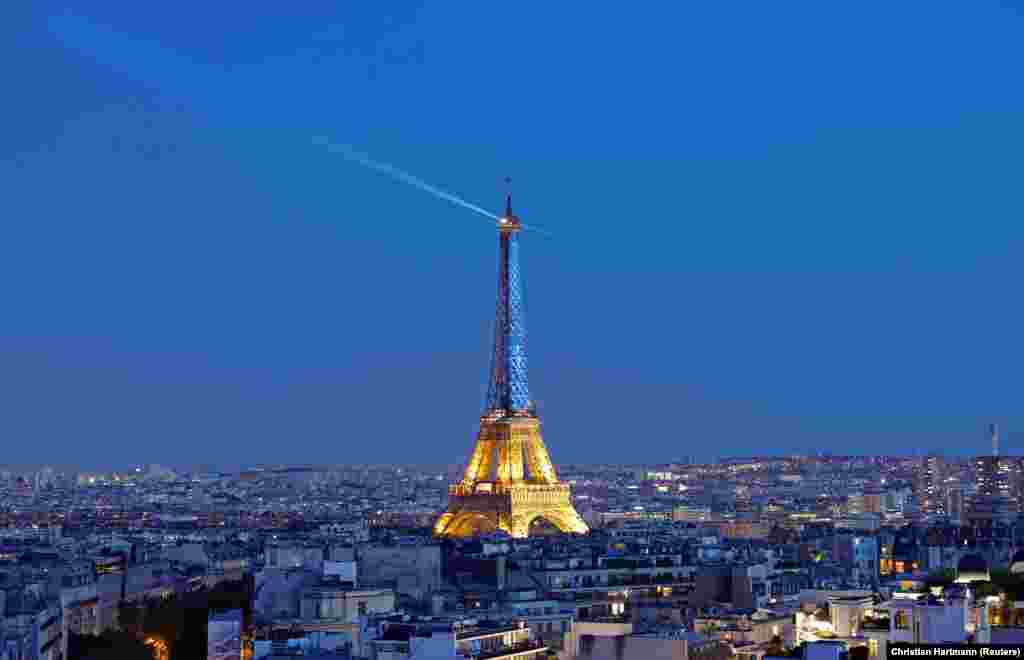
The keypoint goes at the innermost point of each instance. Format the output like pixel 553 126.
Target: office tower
pixel 930 486
pixel 993 478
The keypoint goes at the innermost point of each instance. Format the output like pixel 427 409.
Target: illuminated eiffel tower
pixel 510 481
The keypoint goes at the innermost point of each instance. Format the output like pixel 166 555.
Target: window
pixel 362 608
pixel 900 622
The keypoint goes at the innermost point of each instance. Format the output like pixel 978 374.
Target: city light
pixel 263 398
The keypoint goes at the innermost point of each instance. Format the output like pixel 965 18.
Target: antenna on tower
pixel 508 212
pixel 993 430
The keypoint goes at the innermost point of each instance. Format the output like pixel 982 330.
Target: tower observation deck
pixel 510 480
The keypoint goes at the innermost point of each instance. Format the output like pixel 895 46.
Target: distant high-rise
pixel 1008 480
pixel 955 503
pixel 931 491
pixel 994 479
pixel 986 470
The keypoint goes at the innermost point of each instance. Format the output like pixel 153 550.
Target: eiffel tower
pixel 509 481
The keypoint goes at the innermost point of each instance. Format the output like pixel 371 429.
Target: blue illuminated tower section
pixel 508 389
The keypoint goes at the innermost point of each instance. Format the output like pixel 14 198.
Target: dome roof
pixel 972 568
pixel 973 563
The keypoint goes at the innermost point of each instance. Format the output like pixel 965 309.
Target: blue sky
pixel 777 227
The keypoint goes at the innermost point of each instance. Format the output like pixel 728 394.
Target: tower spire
pixel 508 197
pixel 508 390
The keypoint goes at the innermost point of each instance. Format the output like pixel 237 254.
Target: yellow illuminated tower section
pixel 510 480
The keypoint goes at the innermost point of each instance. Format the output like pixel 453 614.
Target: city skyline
pixel 451 331
pixel 751 246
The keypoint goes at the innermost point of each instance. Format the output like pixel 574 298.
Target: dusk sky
pixel 776 227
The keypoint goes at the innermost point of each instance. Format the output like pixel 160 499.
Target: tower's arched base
pixel 509 482
pixel 485 507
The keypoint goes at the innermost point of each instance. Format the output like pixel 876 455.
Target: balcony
pixel 531 647
pixel 609 618
pixel 604 626
pixel 478 632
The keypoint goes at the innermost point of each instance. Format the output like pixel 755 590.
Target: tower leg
pixel 566 520
pixel 442 524
pixel 468 523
